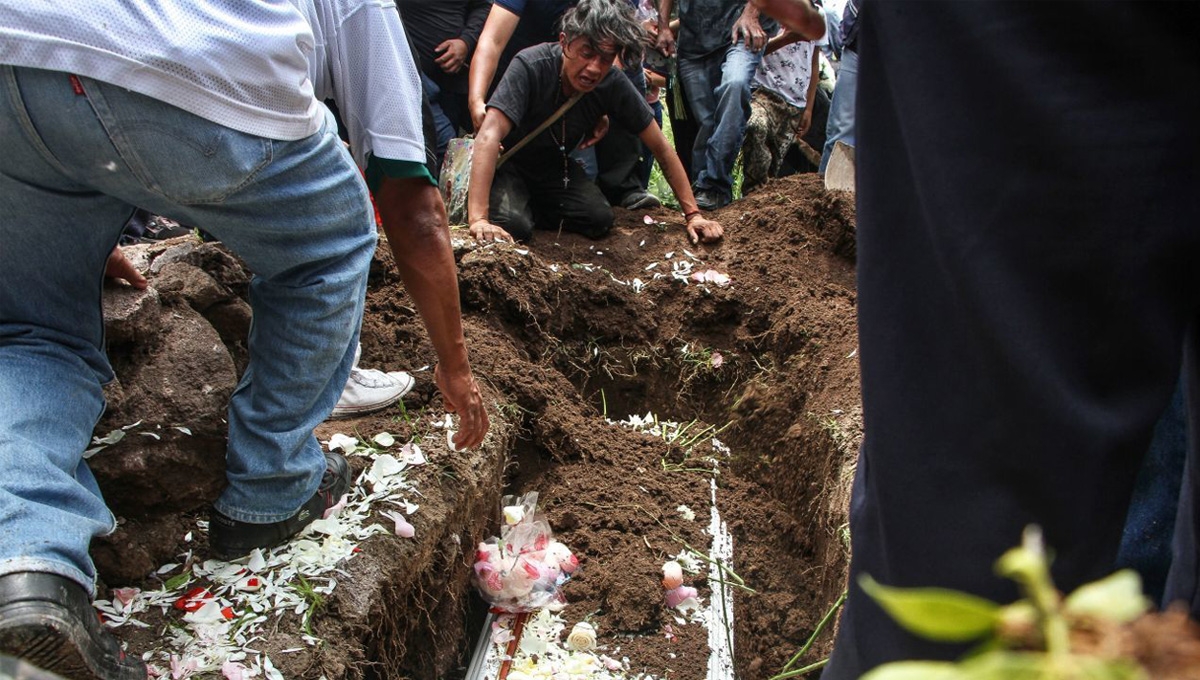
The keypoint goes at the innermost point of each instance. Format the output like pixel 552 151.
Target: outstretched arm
pixel 497 31
pixel 797 15
pixel 414 219
pixel 484 154
pixel 698 228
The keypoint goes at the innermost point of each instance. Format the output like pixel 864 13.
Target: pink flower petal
pixel 125 595
pixel 679 595
pixel 335 509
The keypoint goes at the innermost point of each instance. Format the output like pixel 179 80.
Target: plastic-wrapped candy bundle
pixel 523 569
pixel 455 178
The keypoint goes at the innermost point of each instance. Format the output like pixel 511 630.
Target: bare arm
pixel 484 154
pixel 414 219
pixel 782 39
pixel 797 15
pixel 497 31
pixel 814 75
pixel 698 228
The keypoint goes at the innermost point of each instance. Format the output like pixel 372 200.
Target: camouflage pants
pixel 771 133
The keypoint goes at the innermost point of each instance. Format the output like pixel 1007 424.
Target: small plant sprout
pixel 1042 620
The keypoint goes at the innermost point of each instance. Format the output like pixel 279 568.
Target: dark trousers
pixel 1028 276
pixel 618 155
pixel 522 201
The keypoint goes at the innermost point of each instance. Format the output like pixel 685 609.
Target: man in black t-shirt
pixel 541 186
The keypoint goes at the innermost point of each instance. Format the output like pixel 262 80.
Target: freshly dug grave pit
pixel 568 335
pixel 563 337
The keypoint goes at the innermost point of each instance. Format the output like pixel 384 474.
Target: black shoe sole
pixel 48 636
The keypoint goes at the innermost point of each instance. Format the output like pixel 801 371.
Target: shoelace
pixel 370 377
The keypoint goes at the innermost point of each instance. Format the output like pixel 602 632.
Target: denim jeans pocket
pixel 176 154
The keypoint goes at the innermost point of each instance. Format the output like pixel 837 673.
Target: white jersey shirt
pixel 361 60
pixel 240 63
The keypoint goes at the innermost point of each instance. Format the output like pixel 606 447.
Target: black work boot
pixel 47 620
pixel 229 539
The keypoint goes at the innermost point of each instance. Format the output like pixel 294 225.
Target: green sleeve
pixel 378 168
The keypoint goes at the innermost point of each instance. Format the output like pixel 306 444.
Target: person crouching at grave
pixel 547 104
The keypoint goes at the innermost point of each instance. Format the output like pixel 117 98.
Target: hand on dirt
pixel 701 229
pixel 460 394
pixel 117 267
pixel 454 55
pixel 486 232
pixel 598 133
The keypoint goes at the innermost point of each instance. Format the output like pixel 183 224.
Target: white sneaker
pixel 370 390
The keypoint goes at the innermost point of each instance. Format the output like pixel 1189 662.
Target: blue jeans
pixel 449 114
pixel 73 168
pixel 718 91
pixel 840 125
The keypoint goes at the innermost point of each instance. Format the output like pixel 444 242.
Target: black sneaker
pixel 47 620
pixel 640 200
pixel 229 539
pixel 708 200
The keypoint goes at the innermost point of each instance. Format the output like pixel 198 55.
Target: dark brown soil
pixel 563 343
pixel 558 342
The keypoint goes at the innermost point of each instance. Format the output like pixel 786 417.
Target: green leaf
pixel 1092 668
pixel 1117 598
pixel 915 670
pixel 178 580
pixel 1006 665
pixel 935 613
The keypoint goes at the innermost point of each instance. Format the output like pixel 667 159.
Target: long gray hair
pixel 601 20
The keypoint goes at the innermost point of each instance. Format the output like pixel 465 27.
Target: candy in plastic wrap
pixel 524 568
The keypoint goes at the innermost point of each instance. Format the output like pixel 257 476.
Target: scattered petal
pixel 384 439
pixel 648 219
pixel 233 670
pixel 125 595
pixel 257 562
pixel 343 442
pixel 336 509
pixel 717 359
pixel 249 584
pixel 679 596
pixel 411 454
pixel 111 438
pixel 403 528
